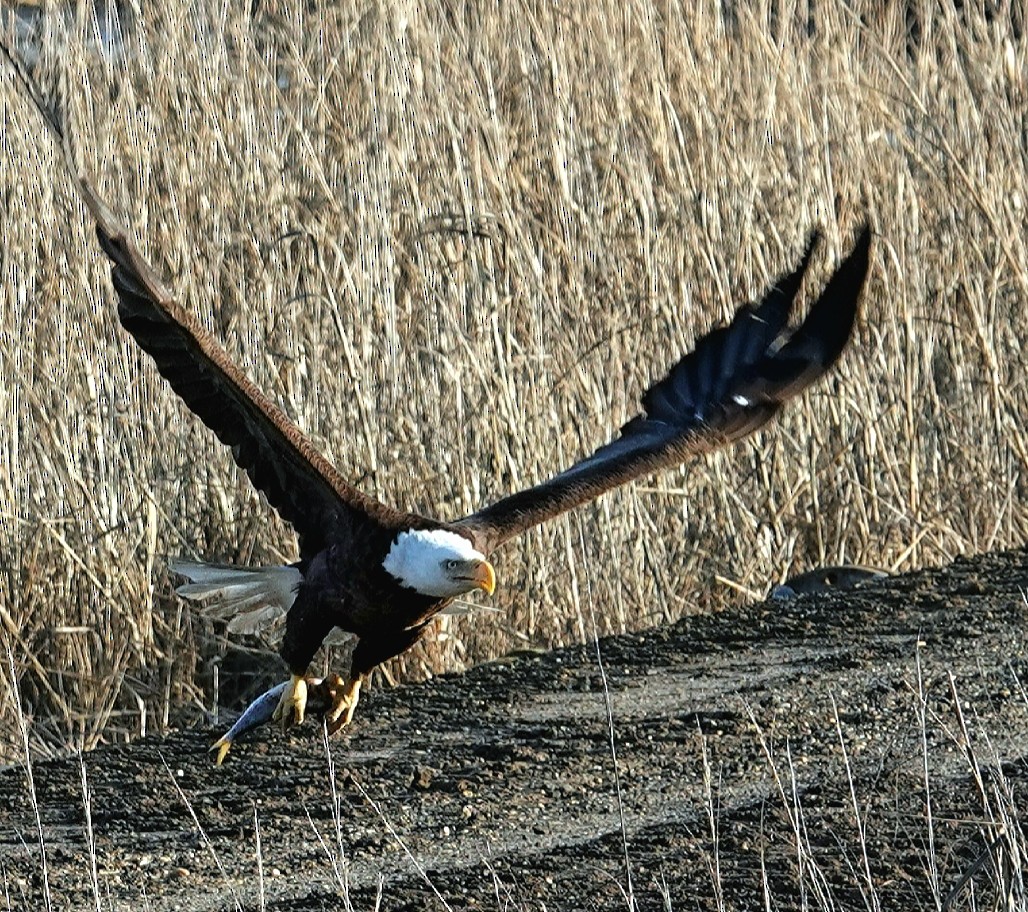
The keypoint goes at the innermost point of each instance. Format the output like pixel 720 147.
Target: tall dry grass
pixel 455 241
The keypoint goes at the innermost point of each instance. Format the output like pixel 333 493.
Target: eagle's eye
pixel 452 564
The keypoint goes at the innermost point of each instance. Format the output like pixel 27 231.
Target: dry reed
pixel 455 242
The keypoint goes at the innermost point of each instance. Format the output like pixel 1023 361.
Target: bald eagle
pixel 382 574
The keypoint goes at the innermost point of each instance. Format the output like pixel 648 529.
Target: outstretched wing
pixel 300 483
pixel 733 382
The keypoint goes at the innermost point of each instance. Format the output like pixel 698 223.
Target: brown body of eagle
pixel 381 573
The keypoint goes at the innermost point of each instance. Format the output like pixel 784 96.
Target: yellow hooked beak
pixel 484 577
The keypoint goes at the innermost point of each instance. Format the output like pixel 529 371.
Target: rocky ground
pixel 845 750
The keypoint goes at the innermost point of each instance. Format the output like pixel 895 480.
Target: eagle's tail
pixel 251 599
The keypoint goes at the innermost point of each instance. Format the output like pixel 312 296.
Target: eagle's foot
pixel 293 702
pixel 344 697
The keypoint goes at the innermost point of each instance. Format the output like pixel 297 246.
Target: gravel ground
pixel 777 756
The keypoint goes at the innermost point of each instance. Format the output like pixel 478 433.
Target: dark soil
pixel 772 756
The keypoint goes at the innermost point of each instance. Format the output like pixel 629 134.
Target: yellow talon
pixel 344 702
pixel 293 702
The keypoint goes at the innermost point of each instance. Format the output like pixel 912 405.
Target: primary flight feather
pixel 382 574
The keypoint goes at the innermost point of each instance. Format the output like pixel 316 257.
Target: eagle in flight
pixel 382 574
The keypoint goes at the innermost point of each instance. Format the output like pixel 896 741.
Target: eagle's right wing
pixel 298 481
pixel 733 382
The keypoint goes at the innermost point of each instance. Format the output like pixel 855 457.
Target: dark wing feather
pixel 283 464
pixel 733 382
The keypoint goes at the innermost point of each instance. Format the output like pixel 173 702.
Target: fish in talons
pixel 327 699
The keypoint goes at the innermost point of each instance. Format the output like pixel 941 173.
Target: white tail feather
pixel 256 621
pixel 251 599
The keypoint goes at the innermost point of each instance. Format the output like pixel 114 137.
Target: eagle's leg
pixel 307 625
pixel 370 651
pixel 293 703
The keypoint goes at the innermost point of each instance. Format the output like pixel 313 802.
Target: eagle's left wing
pixel 733 382
pixel 281 461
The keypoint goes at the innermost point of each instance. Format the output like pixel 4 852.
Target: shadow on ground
pixel 805 753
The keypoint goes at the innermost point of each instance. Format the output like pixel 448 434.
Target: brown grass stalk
pixel 455 243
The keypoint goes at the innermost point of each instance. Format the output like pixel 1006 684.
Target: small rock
pixel 422 778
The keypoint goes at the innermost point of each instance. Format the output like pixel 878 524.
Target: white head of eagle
pixel 438 563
